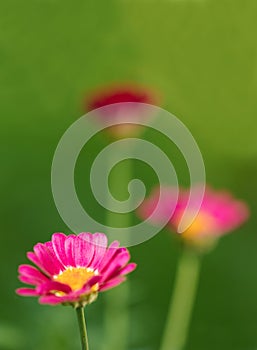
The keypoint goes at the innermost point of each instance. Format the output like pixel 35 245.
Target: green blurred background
pixel 201 57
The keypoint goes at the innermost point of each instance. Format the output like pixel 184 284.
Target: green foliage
pixel 201 57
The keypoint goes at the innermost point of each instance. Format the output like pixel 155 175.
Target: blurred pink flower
pixel 116 96
pixel 73 269
pixel 219 213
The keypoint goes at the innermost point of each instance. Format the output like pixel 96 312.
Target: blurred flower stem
pixel 82 327
pixel 116 315
pixel 181 307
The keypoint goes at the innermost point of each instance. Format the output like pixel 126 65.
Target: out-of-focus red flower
pixel 123 100
pixel 119 93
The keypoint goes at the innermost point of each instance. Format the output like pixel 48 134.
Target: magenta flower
pixel 73 269
pixel 219 213
pixel 115 97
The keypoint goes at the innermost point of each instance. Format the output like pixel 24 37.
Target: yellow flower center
pixel 76 277
pixel 202 224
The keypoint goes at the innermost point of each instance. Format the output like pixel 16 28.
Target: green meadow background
pixel 201 57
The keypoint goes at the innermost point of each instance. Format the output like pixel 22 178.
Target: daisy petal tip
pixel 26 292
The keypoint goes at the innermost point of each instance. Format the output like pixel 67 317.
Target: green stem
pixel 82 327
pixel 179 314
pixel 116 315
pixel 116 318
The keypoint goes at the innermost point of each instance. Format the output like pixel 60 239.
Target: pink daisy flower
pixel 116 96
pixel 73 269
pixel 219 213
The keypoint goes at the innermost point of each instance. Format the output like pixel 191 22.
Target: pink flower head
pixel 73 269
pixel 116 98
pixel 219 213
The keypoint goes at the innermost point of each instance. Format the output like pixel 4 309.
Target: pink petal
pixel 156 208
pixel 50 248
pixel 27 292
pixel 90 283
pixel 32 257
pixel 54 300
pixel 58 243
pixel 109 254
pixel 53 286
pixel 69 249
pixel 69 298
pixel 127 269
pixel 83 249
pixel 115 255
pixel 116 264
pixel 99 242
pixel 28 280
pixel 49 262
pixel 112 283
pixel 31 275
pixel 86 289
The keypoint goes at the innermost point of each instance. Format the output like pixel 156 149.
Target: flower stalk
pixel 181 307
pixel 82 327
pixel 116 315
